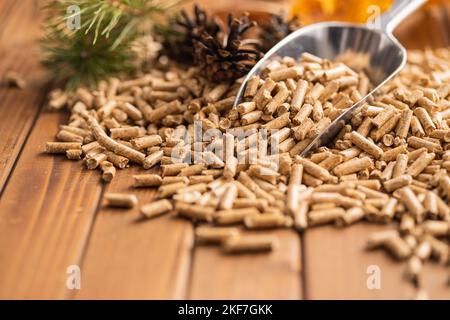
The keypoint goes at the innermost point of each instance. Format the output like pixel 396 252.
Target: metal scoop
pixel 374 48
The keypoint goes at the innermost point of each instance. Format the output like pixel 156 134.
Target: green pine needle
pixel 100 48
pixel 76 61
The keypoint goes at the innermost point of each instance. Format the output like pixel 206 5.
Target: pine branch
pixel 101 46
pixel 75 61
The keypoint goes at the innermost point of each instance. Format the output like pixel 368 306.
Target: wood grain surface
pixel 274 275
pixel 335 260
pixel 337 266
pixel 46 213
pixel 18 108
pixel 52 217
pixel 128 257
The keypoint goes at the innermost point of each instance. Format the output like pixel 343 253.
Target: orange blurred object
pixel 311 11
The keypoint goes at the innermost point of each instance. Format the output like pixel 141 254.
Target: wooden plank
pixel 274 275
pixel 18 108
pixel 436 281
pixel 45 229
pixel 132 259
pixel 6 8
pixel 19 21
pixel 336 262
pixel 46 214
pixel 336 265
pixel 435 278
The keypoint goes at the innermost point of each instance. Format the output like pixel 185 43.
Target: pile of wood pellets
pixel 242 167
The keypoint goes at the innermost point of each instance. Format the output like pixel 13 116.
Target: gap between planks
pixel 19 108
pixel 46 214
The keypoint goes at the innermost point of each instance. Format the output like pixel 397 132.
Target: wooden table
pixel 51 216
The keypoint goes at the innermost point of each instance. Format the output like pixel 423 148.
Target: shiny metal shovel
pixel 374 47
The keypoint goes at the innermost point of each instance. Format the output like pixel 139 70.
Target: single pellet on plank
pixel 249 243
pixel 120 200
pixel 61 147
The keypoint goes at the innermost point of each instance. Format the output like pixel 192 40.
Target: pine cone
pixel 276 29
pixel 227 56
pixel 177 38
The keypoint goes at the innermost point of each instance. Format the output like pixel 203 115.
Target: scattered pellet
pixel 247 243
pixel 74 154
pixel 325 216
pixel 366 145
pixel 108 171
pixel 152 159
pixel 61 147
pixel 232 216
pixel 267 221
pixel 14 79
pixel 94 161
pixel 398 247
pixel 215 235
pixel 147 180
pixel 146 141
pixel 398 182
pixel 156 208
pixel 353 165
pixel 120 200
pixel 379 239
pixel 229 197
pixel 410 200
pixel 168 190
pixel 194 212
pixel 389 164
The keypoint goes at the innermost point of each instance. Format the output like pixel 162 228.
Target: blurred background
pixel 414 33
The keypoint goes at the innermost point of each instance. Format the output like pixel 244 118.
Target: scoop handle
pixel 399 10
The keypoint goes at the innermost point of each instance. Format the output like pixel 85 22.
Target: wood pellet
pixel 241 169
